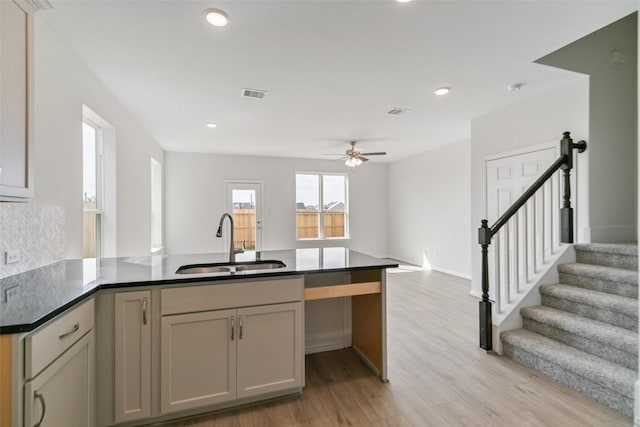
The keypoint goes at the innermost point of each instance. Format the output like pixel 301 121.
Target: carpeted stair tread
pixel 608 248
pixel 600 278
pixel 620 275
pixel 618 255
pixel 600 371
pixel 617 303
pixel 607 335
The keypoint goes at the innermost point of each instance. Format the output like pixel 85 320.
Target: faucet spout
pixel 232 251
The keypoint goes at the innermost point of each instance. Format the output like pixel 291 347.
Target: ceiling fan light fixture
pixel 216 17
pixel 353 162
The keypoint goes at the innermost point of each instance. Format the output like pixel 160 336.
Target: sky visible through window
pixel 307 189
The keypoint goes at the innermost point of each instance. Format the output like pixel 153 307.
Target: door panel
pixel 269 348
pixel 198 360
pixel 244 202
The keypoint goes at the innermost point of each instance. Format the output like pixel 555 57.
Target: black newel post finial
pixel 484 238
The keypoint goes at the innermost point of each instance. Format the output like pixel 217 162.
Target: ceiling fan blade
pixel 364 159
pixel 378 153
pixel 333 154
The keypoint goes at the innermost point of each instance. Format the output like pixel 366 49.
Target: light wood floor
pixel 438 377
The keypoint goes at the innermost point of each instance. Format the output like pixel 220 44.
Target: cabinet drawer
pixel 54 337
pixel 190 299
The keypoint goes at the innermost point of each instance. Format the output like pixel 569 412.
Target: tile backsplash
pixel 36 231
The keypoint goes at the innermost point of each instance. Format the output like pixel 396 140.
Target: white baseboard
pixel 452 273
pixel 474 293
pixel 310 349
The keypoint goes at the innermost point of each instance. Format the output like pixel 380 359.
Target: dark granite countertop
pixel 48 291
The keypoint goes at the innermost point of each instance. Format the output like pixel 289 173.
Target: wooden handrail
pixel 486 233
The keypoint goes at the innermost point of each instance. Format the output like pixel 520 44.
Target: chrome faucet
pixel 232 250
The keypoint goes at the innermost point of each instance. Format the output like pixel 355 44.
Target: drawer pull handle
pixel 40 397
pixel 233 327
pixel 73 330
pixel 144 311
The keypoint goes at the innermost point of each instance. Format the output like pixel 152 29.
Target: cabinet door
pixel 132 355
pixel 16 139
pixel 198 360
pixel 269 348
pixel 63 394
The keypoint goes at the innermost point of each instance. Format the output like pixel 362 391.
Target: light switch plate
pixel 12 256
pixel 12 293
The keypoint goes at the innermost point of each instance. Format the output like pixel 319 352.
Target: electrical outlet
pixel 12 293
pixel 12 256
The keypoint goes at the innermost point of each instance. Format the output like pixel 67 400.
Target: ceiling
pixel 332 69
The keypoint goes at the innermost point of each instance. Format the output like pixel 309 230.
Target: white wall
pixel 62 86
pixel 429 202
pixel 195 199
pixel 612 125
pixel 532 121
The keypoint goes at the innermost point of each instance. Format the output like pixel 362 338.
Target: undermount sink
pixel 229 267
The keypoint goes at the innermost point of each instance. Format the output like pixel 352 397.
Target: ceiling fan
pixel 355 157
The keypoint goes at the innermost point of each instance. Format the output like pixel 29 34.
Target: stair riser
pixel 603 315
pixel 627 262
pixel 598 392
pixel 602 350
pixel 600 285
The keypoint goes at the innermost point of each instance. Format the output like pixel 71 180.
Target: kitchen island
pixel 145 312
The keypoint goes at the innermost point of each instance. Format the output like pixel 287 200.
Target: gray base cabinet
pixel 132 356
pixel 59 388
pixel 223 355
pixel 215 350
pixel 198 360
pixel 62 394
pixel 269 349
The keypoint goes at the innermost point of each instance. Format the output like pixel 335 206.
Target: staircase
pixel 585 333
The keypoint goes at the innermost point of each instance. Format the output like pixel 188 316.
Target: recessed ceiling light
pixel 216 17
pixel 212 125
pixel 403 1
pixel 442 91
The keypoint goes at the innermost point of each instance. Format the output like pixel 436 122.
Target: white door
pixel 244 202
pixel 507 176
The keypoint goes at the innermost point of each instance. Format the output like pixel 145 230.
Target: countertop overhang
pixel 48 291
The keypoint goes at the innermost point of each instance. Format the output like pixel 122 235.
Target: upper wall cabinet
pixel 16 100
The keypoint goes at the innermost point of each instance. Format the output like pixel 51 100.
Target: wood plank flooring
pixel 438 377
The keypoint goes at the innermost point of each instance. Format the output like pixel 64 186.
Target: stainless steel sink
pixel 229 267
pixel 260 265
pixel 202 268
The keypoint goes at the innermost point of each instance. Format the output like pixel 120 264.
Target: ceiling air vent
pixel 254 93
pixel 398 111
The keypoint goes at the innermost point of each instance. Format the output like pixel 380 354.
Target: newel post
pixel 566 212
pixel 486 339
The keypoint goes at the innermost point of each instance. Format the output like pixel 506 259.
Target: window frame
pixel 99 170
pixel 160 211
pixel 321 208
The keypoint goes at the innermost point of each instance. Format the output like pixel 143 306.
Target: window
pixel 321 206
pixel 92 191
pixel 156 206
